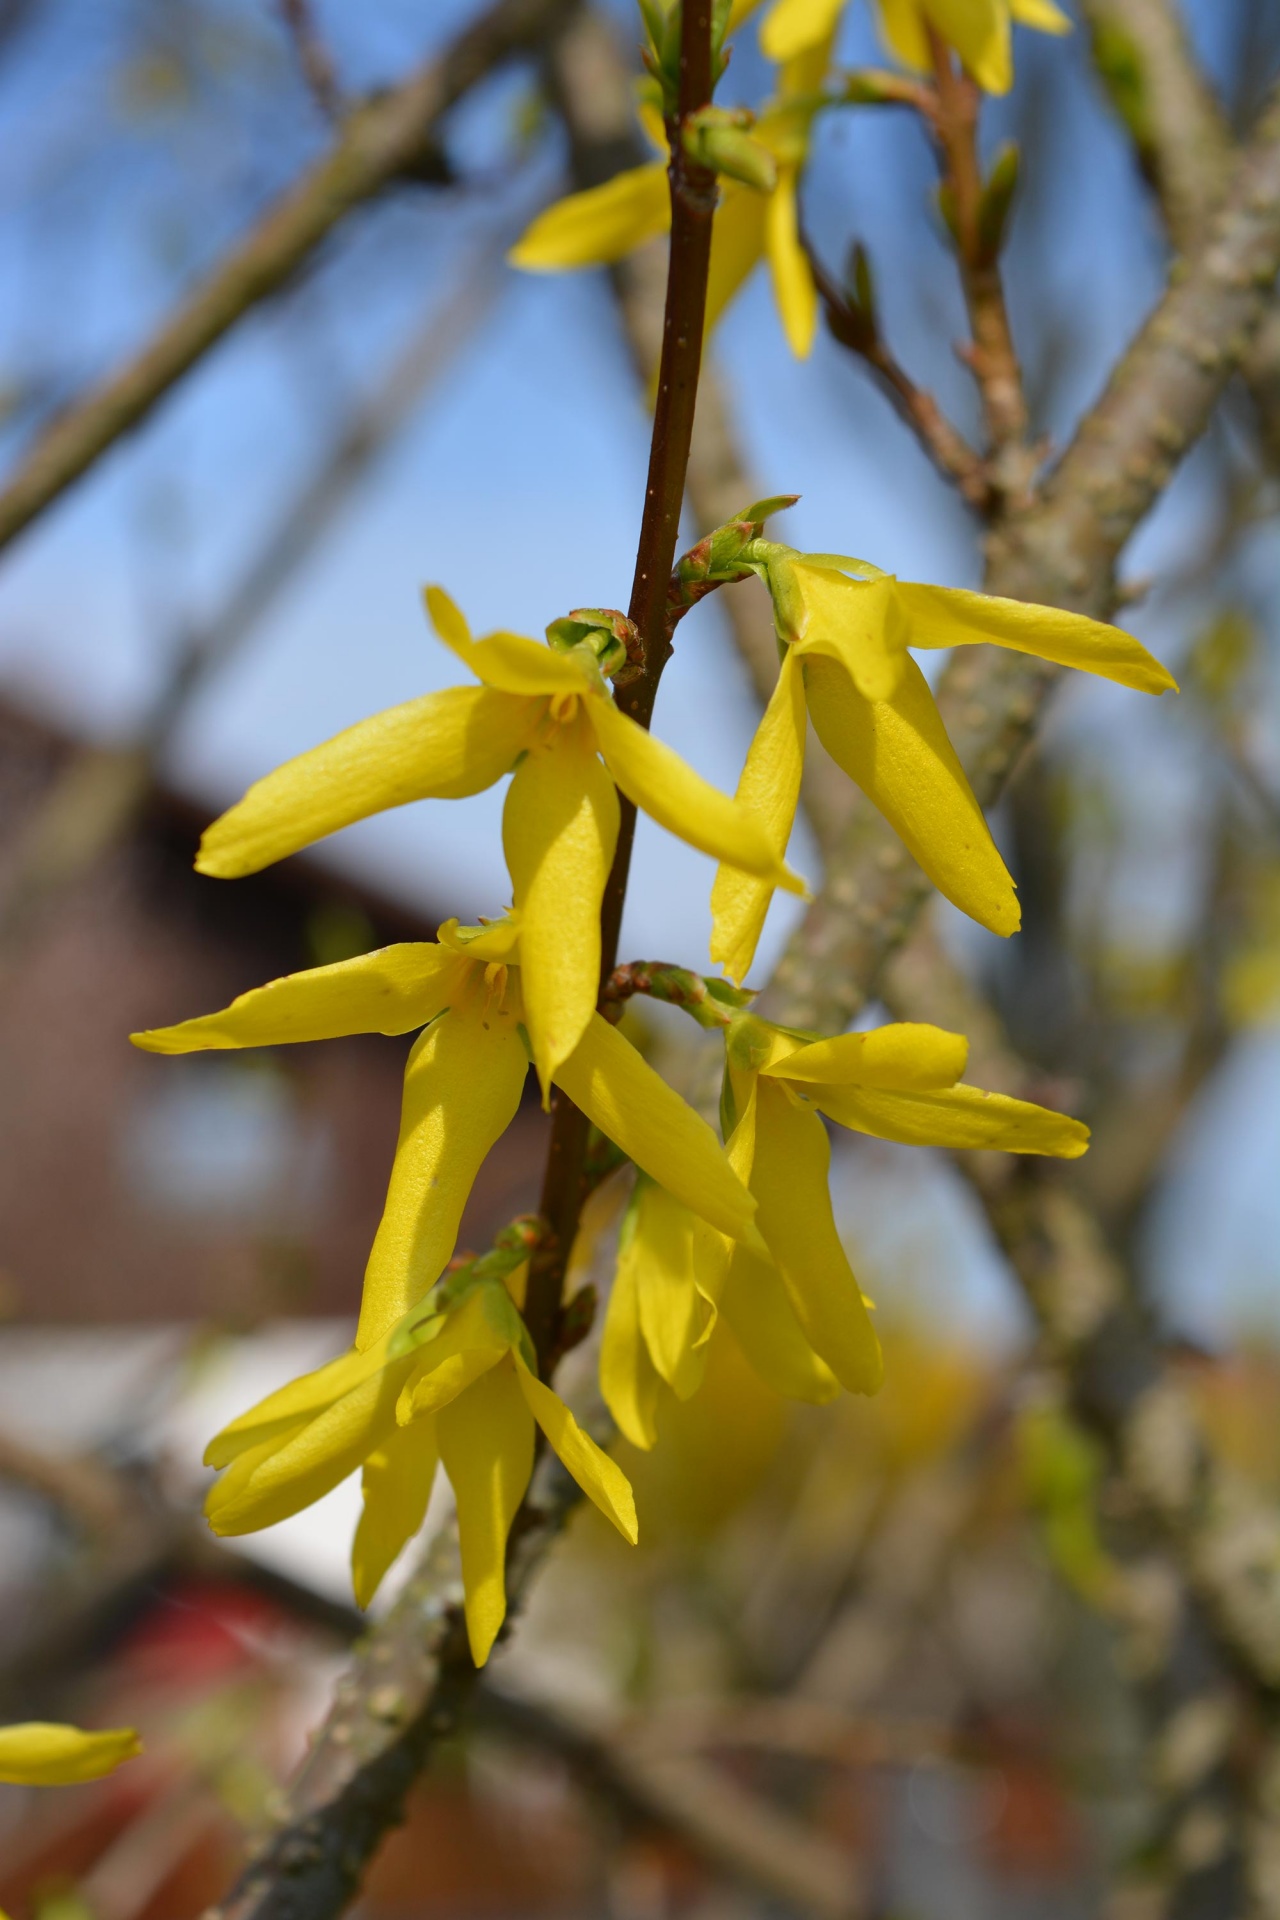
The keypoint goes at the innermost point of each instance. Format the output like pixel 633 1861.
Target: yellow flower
pixel 553 714
pixel 847 662
pixel 980 31
pixel 462 1086
pixel 453 1382
pixel 798 1315
pixel 42 1753
pixel 604 224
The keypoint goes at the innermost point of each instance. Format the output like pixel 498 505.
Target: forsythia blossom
pixel 799 1315
pixel 42 1753
pixel 980 31
pixel 604 224
pixel 453 1382
pixel 462 1086
pixel 847 628
pixel 552 713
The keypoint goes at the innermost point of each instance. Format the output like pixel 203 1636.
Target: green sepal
pixel 997 202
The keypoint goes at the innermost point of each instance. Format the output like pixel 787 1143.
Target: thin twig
pixel 314 57
pixel 389 138
pixel 945 445
pixel 991 355
pixel 693 203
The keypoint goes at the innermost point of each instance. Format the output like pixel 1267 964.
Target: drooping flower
pixel 551 712
pixel 847 662
pixel 453 1382
pixel 799 1315
pixel 673 1281
pixel 980 31
pixel 603 224
pixel 462 1086
pixel 44 1753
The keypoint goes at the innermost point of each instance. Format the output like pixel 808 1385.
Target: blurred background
pixel 895 1659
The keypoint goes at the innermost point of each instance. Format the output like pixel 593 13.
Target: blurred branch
pixel 96 798
pixel 725 1823
pixel 393 136
pixel 1061 550
pixel 1184 148
pixel 75 1484
pixel 314 57
pixel 1199 1593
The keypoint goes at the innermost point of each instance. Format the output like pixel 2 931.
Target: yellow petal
pixel 793 288
pixel 595 228
pixel 461 1090
pixel 956 1117
pixel 898 752
pixel 907 1054
pixel 856 622
pixel 629 1383
pixel 979 32
pixel 789 1178
pixel 473 1337
pixel 737 243
pixel 1040 14
pixel 396 1485
pixel 762 1320
pixel 770 788
pixel 675 1316
pixel 559 831
pixel 670 792
pixel 44 1753
pixel 311 1463
pixel 442 746
pixel 952 617
pixel 636 1109
pixel 903 32
pixel 486 1444
pixel 390 991
pixel 508 663
pixel 298 1401
pixel 601 1479
pixel 794 25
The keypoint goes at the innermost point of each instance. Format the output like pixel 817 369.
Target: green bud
pixel 997 202
pixel 613 641
pixel 720 139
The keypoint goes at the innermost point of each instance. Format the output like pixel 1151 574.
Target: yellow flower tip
pixel 485 1615
pixel 447 618
pixel 217 862
pixel 792 882
pixel 43 1753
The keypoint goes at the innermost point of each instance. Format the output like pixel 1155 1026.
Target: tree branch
pixel 391 137
pixel 1184 148
pixel 415 1672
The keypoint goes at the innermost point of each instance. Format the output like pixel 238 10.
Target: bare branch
pixel 314 57
pixel 1185 149
pixel 390 137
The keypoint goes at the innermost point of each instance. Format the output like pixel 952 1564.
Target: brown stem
pixel 314 57
pixel 991 355
pixel 693 203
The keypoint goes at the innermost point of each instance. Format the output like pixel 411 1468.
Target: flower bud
pixel 612 639
pixel 719 139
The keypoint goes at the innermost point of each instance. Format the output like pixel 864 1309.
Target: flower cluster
pixel 736 1228
pixel 761 157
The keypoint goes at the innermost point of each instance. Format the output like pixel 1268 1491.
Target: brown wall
pixel 227 1185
